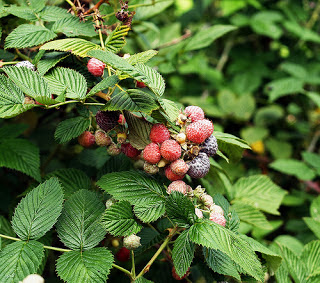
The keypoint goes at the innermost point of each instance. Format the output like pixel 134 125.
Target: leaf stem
pixel 61 103
pixel 22 56
pixel 122 269
pixel 9 237
pixel 94 103
pixel 164 244
pixel 74 8
pixel 133 269
pixel 8 63
pixel 100 35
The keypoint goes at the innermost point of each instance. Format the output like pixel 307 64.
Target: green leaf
pixel 53 13
pixel 76 46
pixel 5 229
pixel 142 280
pixel 183 253
pixel 296 70
pixel 221 263
pixel 71 26
pixel 36 5
pixel 11 99
pixel 31 83
pixel 311 256
pixel 134 100
pixel 314 96
pixel 215 236
pixel 60 79
pixel 139 129
pixel 311 158
pixel 206 36
pixel 20 259
pixel 151 78
pixel 139 72
pixel 149 237
pixel 132 186
pixel 273 259
pixel 94 157
pixel 251 215
pixel 303 33
pixel 231 145
pixel 265 23
pixel 142 57
pixel 313 224
pixel 149 211
pixel 79 225
pixel 104 84
pixel 260 192
pixel 170 108
pixel 71 128
pixel 315 208
pixel 38 211
pixel 49 60
pixel 71 180
pixel 293 167
pixel 27 35
pixel 119 220
pixel 85 266
pixel 116 40
pixel 282 87
pixel 152 8
pixel 21 12
pixel 180 209
pixel 21 155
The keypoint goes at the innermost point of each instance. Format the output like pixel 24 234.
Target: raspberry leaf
pixel 212 235
pixel 27 35
pixel 149 211
pixel 71 128
pixel 71 180
pixel 71 26
pixel 31 83
pixel 52 14
pixel 11 99
pixel 49 60
pixel 79 225
pixel 5 229
pixel 132 100
pixel 149 237
pixel 60 79
pixel 221 263
pixel 183 253
pixel 141 57
pixel 21 155
pixel 116 40
pixel 76 46
pixel 20 259
pixel 104 84
pixel 119 220
pixel 180 209
pixel 85 266
pixel 38 211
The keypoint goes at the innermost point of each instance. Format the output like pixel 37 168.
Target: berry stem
pixel 164 244
pixel 122 269
pixel 133 269
pixel 100 35
pixel 74 8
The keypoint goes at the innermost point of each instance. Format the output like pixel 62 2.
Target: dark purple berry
pixel 210 146
pixel 199 166
pixel 107 120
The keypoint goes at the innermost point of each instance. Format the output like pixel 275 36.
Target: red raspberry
pixel 123 254
pixel 141 84
pixel 102 139
pixel 218 218
pixel 207 125
pixel 177 277
pixel 122 119
pixel 96 67
pixel 129 150
pixel 159 133
pixel 195 113
pixel 179 167
pixel 198 132
pixel 178 186
pixel 151 153
pixel 170 150
pixel 170 175
pixel 86 139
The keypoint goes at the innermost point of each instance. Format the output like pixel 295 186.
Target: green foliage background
pixel 253 66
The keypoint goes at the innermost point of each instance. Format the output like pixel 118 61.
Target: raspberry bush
pixel 117 178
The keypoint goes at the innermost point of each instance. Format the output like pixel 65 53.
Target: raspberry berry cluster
pixel 204 205
pixel 185 152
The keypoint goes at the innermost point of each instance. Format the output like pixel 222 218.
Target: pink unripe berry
pixel 207 200
pixel 218 218
pixel 207 125
pixel 179 167
pixel 171 176
pixel 216 209
pixel 96 67
pixel 196 132
pixel 86 139
pixel 131 242
pixel 178 186
pixel 198 212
